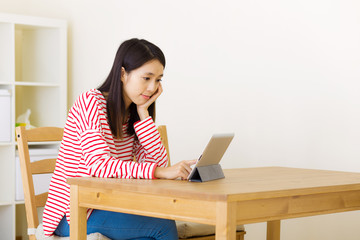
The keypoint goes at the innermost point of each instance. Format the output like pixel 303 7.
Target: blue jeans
pixel 123 226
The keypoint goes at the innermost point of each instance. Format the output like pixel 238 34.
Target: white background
pixel 283 75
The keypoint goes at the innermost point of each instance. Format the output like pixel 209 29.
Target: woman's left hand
pixel 143 108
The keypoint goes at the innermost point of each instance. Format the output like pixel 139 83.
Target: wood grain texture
pixel 78 216
pixel 273 230
pixel 225 220
pixel 148 204
pixel 44 134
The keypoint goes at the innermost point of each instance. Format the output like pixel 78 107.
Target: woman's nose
pixel 152 86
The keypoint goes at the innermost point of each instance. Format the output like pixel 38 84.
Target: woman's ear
pixel 123 74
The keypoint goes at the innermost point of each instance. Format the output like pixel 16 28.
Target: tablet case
pixel 207 173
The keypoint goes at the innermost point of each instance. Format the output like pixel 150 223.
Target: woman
pixel 105 129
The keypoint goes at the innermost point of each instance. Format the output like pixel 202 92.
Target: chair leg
pixel 240 235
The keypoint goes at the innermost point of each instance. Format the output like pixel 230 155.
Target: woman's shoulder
pixel 91 95
pixel 89 98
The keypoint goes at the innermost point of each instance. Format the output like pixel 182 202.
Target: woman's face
pixel 141 83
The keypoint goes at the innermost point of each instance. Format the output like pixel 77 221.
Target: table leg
pixel 77 216
pixel 225 221
pixel 273 230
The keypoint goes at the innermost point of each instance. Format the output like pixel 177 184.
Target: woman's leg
pixel 125 226
pixel 63 229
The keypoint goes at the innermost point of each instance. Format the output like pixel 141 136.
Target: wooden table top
pixel 238 184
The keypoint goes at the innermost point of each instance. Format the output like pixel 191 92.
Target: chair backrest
pixel 32 201
pixel 164 139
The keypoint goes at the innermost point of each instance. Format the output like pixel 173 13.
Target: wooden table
pixel 244 196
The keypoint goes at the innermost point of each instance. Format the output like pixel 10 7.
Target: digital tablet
pixel 207 167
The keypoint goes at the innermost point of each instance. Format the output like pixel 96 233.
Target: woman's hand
pixel 143 108
pixel 179 170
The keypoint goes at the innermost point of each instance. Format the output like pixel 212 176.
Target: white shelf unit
pixel 33 68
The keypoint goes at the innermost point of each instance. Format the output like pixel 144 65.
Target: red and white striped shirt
pixel 89 149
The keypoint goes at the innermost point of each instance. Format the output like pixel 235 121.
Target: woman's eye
pixel 159 80
pixel 146 78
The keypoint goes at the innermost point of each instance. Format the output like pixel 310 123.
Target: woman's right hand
pixel 179 170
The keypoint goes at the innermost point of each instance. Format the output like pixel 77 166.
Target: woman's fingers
pixel 156 95
pixel 185 168
pixel 192 162
pixel 152 99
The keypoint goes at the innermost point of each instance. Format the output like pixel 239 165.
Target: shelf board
pixel 30 84
pixel 40 144
pixel 31 22
pixel 37 84
pixel 5 144
pixel 18 202
pixel 5 203
pixel 5 83
pixel 44 143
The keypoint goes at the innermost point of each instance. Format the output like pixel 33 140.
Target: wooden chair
pixel 32 201
pixel 188 230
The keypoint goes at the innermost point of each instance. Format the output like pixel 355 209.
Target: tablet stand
pixel 207 173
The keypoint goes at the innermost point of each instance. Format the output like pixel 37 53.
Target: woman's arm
pixel 149 147
pixel 95 149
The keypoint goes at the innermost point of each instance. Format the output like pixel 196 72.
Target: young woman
pixel 105 129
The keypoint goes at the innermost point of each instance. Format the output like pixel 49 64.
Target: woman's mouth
pixel 145 96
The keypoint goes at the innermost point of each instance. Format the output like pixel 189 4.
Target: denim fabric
pixel 121 226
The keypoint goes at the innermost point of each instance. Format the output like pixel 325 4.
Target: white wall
pixel 283 75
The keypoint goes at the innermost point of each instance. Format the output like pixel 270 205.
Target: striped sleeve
pixel 96 151
pixel 149 148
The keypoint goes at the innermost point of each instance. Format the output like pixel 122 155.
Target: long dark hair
pixel 131 55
